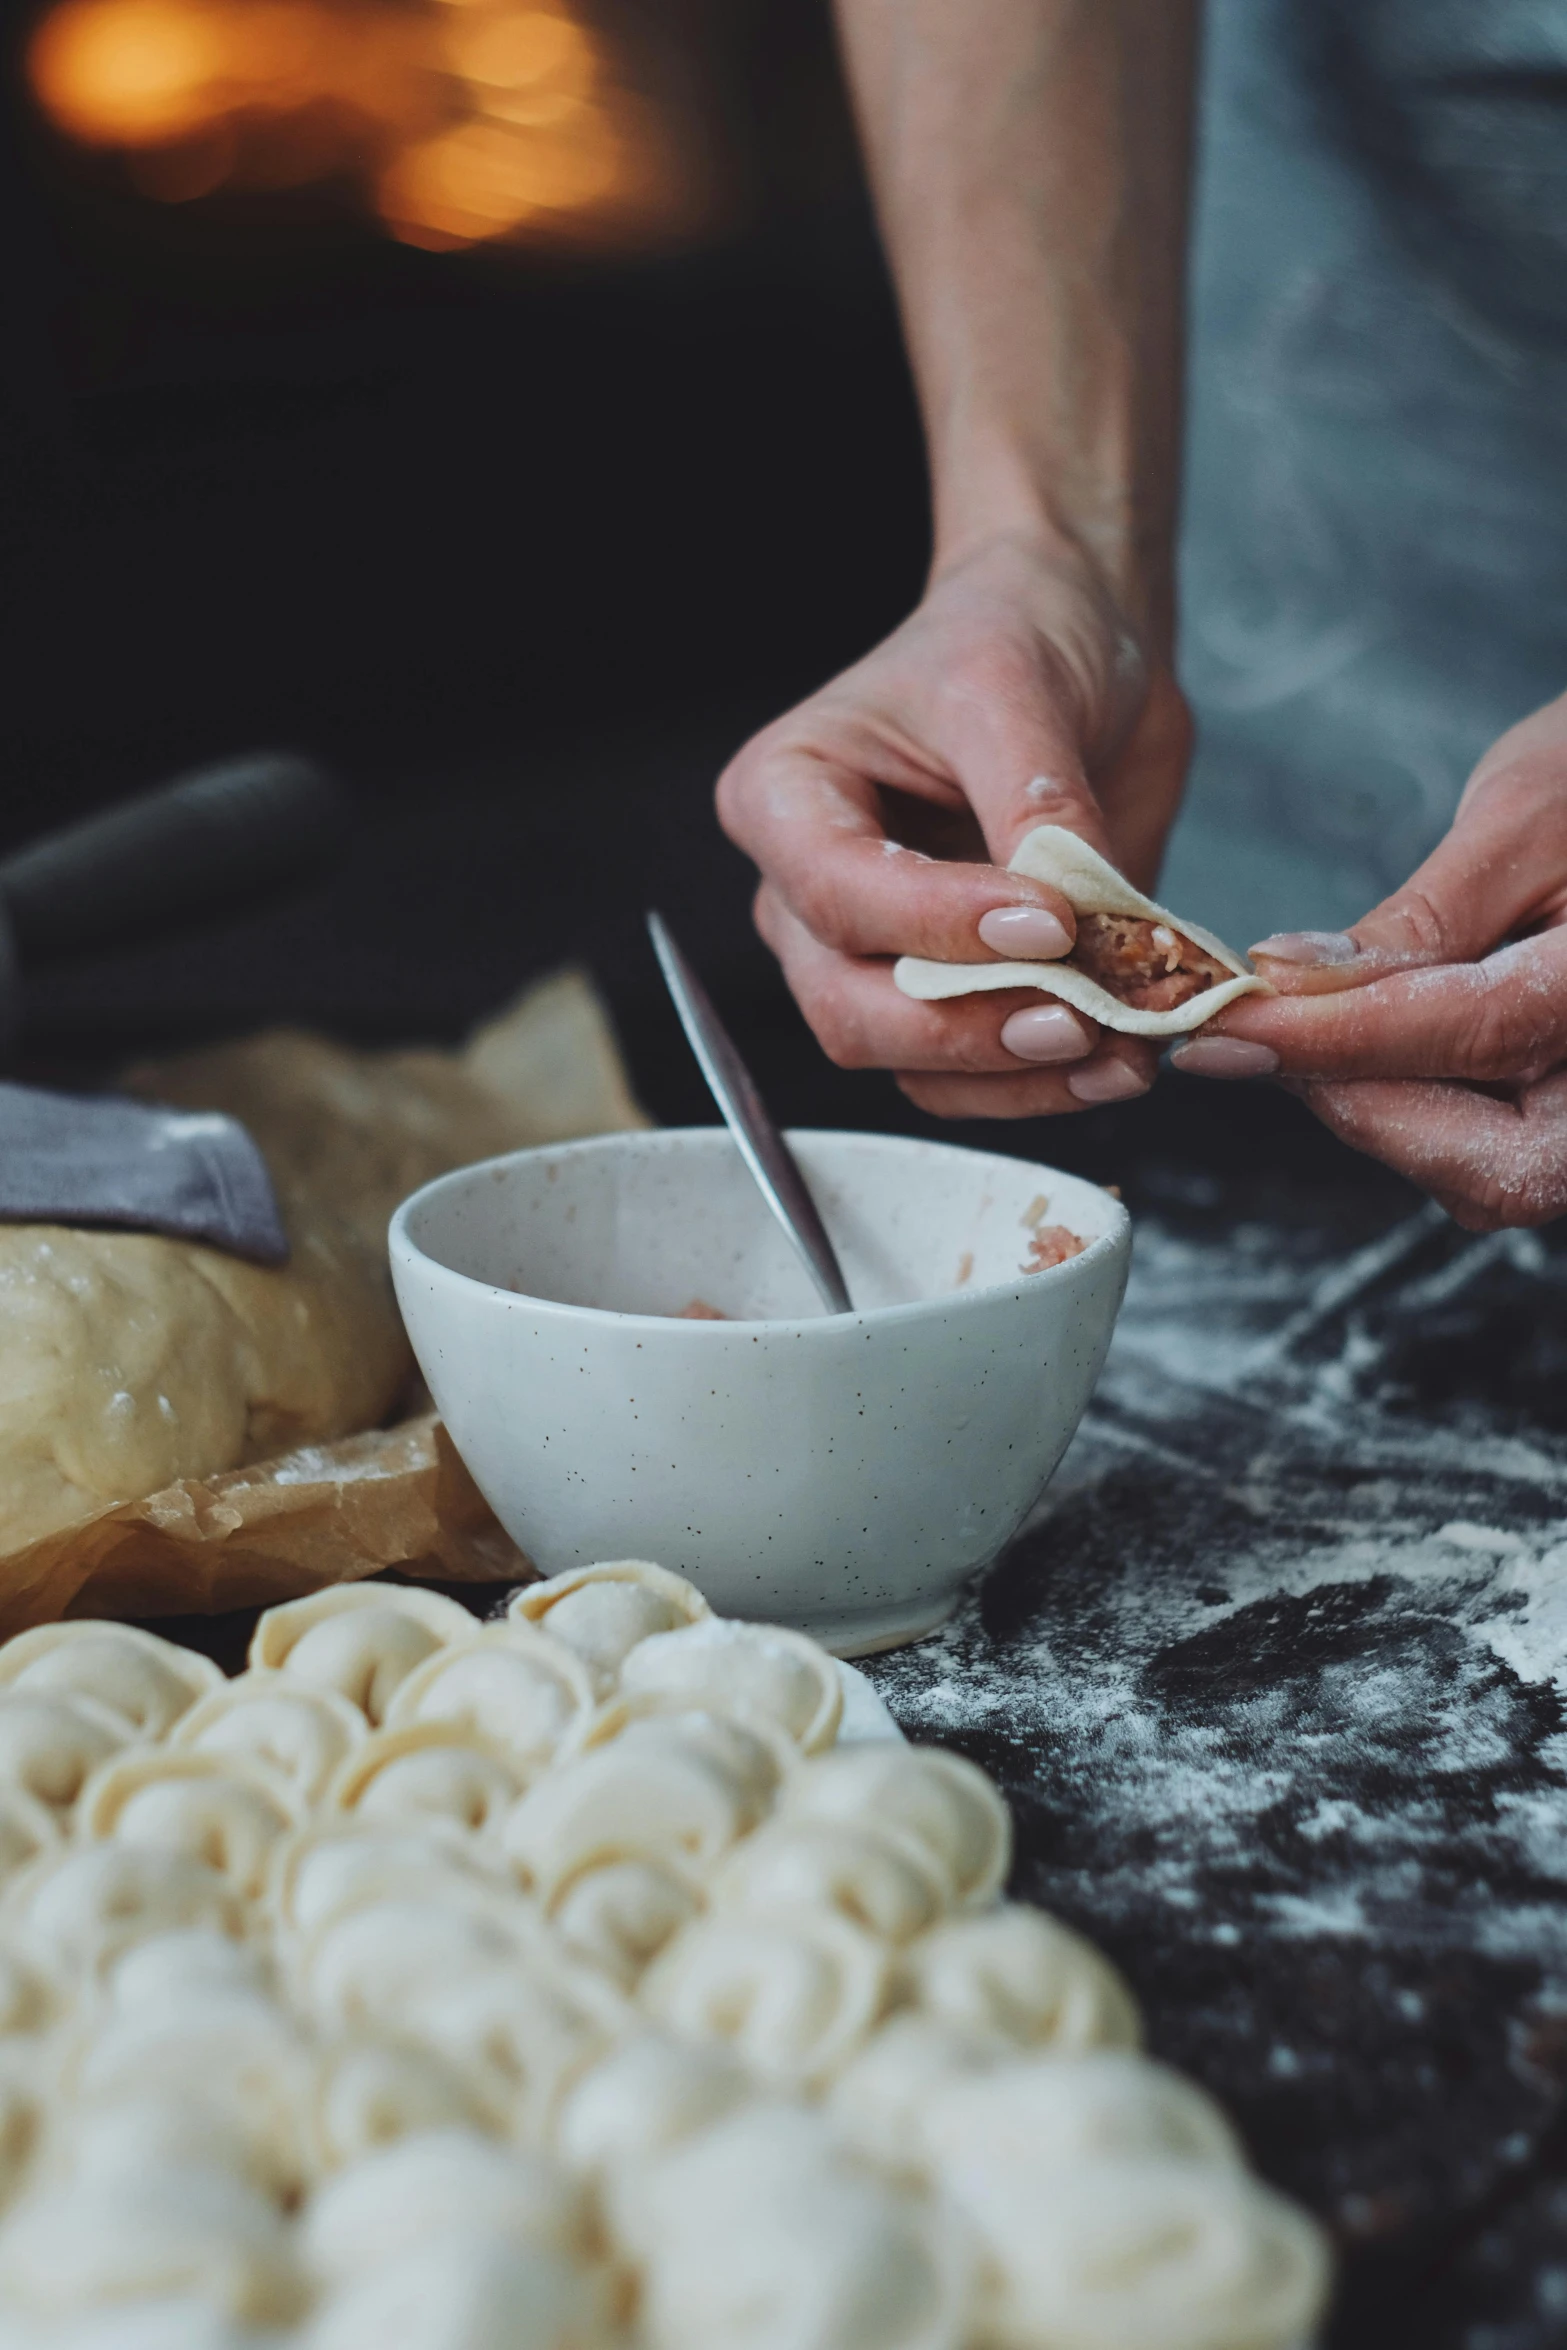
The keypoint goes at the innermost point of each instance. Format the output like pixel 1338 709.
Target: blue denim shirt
pixel 1374 563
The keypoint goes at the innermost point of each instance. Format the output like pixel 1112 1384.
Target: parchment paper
pixel 329 1513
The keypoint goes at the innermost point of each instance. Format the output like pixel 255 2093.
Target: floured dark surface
pixel 1276 1682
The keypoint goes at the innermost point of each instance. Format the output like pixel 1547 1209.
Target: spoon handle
pixel 746 1115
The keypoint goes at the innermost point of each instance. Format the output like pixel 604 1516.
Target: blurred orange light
pixel 466 120
pixel 481 179
pixel 129 72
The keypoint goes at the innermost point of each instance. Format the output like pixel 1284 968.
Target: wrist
pixel 1094 535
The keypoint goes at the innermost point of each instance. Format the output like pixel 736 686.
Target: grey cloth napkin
pixel 99 1159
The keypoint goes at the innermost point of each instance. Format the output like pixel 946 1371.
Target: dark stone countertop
pixel 1275 1683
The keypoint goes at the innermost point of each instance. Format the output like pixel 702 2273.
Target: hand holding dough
pixel 1135 967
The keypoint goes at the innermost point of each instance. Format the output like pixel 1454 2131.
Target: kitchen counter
pixel 1275 1682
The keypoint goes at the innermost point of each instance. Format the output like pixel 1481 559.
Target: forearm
pixel 1030 164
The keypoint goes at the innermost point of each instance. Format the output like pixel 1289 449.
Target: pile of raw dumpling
pixel 557 1984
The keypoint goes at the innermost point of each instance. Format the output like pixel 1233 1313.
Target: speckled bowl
pixel 841 1473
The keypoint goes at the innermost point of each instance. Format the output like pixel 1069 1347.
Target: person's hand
pixel 1013 696
pixel 1434 1034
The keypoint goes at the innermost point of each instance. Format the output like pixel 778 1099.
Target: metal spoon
pixel 748 1119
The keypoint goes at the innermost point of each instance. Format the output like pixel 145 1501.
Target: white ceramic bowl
pixel 841 1473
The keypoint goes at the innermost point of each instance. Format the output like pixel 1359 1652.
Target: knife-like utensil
pixel 749 1120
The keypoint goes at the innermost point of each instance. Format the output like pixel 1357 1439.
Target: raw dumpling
pixel 603 1611
pixel 322 1873
pixel 1166 2255
pixel 882 2100
pixel 187 2230
pixel 1055 2112
pixel 223 1814
pixel 301 1733
pixel 434 2186
pixel 944 1803
pixel 513 1689
pixel 680 1786
pixel 743 1668
pixel 81 1908
pixel 881 1883
pixel 28 1829
pixel 50 1745
pixel 361 1639
pixel 170 1972
pixel 431 1775
pixel 521 2034
pixel 645 2096
pixel 372 2091
pixel 470 2292
pixel 366 1965
pixel 755 2236
pixel 1019 1973
pixel 240 2060
pixel 144 1682
pixel 1135 967
pixel 620 1913
pixel 793 1994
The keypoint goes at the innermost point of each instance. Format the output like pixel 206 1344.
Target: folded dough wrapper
pixel 1091 886
pixel 150 1387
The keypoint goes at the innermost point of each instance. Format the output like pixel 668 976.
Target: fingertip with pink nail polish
pixel 1106 1081
pixel 1047 1032
pixel 1025 934
pixel 1312 949
pixel 1224 1056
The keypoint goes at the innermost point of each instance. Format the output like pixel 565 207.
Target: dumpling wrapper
pixel 1091 886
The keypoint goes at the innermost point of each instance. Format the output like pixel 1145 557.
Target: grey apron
pixel 1374 564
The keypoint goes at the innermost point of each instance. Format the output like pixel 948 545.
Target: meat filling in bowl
pixel 1051 1245
pixel 1147 965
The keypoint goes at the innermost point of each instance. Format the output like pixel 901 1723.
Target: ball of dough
pixel 945 1804
pixel 1017 1972
pixel 793 1994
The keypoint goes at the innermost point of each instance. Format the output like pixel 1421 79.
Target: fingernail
pixel 1026 933
pixel 1224 1056
pixel 1046 1032
pixel 1106 1081
pixel 1308 946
